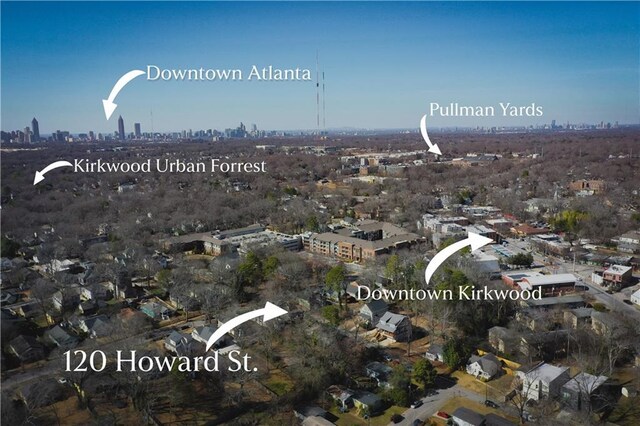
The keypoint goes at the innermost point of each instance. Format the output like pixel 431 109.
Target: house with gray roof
pixel 586 392
pixel 435 353
pixel 372 311
pixel 543 381
pixel 485 367
pixel 395 326
pixel 61 338
pixel 466 417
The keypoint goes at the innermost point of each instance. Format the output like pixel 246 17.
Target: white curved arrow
pixel 474 240
pixel 433 147
pixel 40 174
pixel 108 104
pixel 270 311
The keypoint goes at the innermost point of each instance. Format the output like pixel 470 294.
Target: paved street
pixel 614 301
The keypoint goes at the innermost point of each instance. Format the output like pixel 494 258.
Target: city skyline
pixel 475 54
pixel 137 133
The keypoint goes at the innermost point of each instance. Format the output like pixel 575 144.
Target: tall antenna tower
pixel 324 109
pixel 317 94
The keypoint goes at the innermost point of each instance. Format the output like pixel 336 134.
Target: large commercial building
pixel 362 241
pixel 234 240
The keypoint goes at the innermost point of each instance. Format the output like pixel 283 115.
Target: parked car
pixel 416 404
pixel 443 415
pixel 491 404
pixel 418 422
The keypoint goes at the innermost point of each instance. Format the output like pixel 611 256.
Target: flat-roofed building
pixel 618 276
pixel 569 301
pixel 550 284
pixel 362 241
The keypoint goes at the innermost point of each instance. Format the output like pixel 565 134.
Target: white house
pixel 635 297
pixel 485 367
pixel 543 381
pixel 435 353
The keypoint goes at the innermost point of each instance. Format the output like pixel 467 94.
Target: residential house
pixel 543 381
pixel 59 337
pixel 435 353
pixel 351 291
pixel 343 396
pixel 99 291
pixel 467 417
pixel 310 411
pixel 395 326
pixel 485 367
pixel 96 326
pixel 88 307
pixel 380 372
pixel 578 317
pixel 178 343
pixel 203 333
pixel 26 348
pixel 367 403
pixel 156 311
pixel 635 297
pixel 586 392
pixel 372 311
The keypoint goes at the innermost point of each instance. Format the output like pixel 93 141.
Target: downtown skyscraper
pixel 121 134
pixel 36 130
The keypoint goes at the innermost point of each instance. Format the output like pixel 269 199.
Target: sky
pixel 383 62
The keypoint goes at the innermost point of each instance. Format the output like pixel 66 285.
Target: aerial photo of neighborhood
pixel 435 219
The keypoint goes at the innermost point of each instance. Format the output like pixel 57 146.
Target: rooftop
pixel 469 416
pixel 390 321
pixel 585 382
pixel 546 372
pixel 550 279
pixel 617 270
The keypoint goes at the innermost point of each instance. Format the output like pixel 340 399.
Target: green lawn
pixel 279 383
